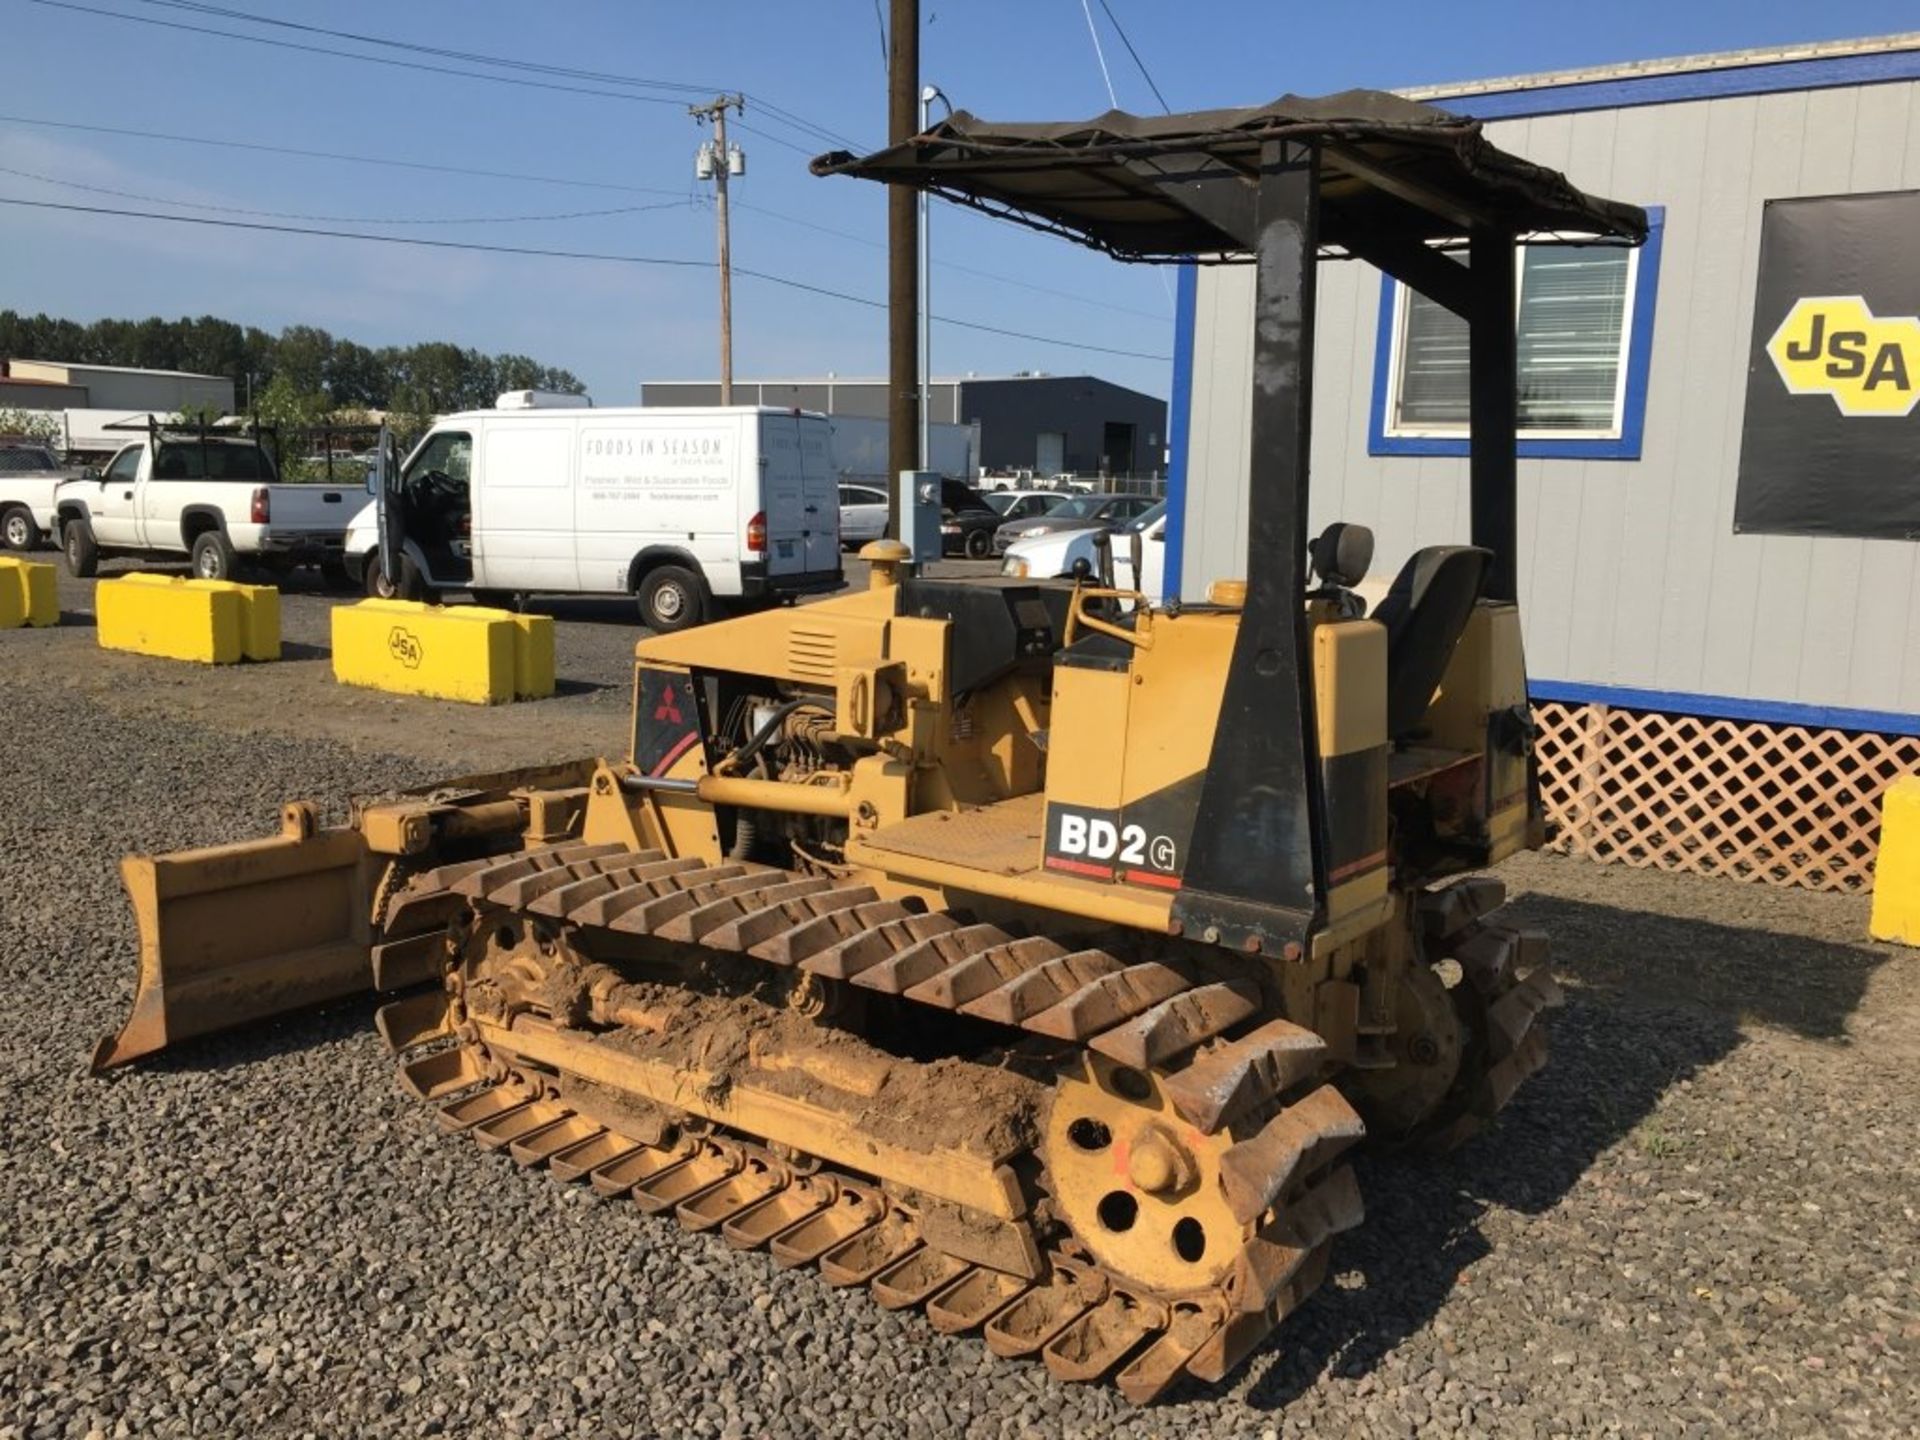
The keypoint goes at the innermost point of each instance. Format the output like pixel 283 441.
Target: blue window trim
pixel 1633 418
pixel 1726 707
pixel 1179 418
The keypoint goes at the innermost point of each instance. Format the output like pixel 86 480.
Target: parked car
pixel 215 499
pixel 863 514
pixel 1075 555
pixel 29 474
pixel 1023 504
pixel 1075 512
pixel 684 509
pixel 967 521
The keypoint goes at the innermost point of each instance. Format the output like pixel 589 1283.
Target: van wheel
pixel 83 556
pixel 212 556
pixel 672 598
pixel 17 529
pixel 411 586
pixel 378 586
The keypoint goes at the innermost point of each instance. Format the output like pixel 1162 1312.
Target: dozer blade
pixel 237 933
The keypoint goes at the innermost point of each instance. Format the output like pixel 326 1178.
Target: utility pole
pixel 717 161
pixel 927 97
pixel 903 245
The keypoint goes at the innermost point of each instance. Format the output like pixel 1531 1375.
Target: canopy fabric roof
pixel 1147 187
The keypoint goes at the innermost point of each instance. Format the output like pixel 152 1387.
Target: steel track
pixel 1223 1072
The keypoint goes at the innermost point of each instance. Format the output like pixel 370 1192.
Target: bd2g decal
pixel 1106 845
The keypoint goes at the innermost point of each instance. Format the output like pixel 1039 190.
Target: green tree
pixel 416 381
pixel 302 357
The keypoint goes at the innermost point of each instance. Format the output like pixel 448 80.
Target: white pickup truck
pixel 213 498
pixel 29 474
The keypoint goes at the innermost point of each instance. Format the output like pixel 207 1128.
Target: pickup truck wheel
pixel 333 574
pixel 83 556
pixel 18 530
pixel 672 598
pixel 212 557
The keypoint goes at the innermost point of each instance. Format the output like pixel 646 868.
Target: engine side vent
pixel 812 653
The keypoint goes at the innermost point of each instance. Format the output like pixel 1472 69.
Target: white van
pixel 680 508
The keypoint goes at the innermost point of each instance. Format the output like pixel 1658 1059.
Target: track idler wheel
pixel 1161 1205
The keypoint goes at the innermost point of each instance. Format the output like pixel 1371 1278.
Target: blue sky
pixel 616 324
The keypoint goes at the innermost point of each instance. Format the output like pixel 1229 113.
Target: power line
pixel 512 63
pixel 529 179
pixel 784 281
pixel 592 77
pixel 951 264
pixel 806 150
pixel 683 203
pixel 352 55
pixel 678 87
pixel 1112 98
pixel 357 235
pixel 798 122
pixel 337 155
pixel 1100 54
pixel 1138 62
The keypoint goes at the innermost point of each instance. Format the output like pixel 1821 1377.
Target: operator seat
pixel 1425 613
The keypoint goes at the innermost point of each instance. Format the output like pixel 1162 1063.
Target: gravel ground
pixel 1699 1220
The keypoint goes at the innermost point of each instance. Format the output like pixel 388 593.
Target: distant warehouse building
pixel 116 387
pixel 92 398
pixel 1041 424
pixel 1720 476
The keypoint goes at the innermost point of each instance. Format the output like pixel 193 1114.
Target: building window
pixel 1584 321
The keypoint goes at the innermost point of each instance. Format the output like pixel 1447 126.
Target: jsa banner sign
pixel 1831 444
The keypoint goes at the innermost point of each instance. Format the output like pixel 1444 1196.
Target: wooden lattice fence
pixel 1775 804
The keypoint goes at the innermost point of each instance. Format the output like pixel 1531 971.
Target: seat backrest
pixel 1425 613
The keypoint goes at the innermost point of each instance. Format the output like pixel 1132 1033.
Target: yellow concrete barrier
pixel 532 652
pixel 1896 873
pixel 457 652
pixel 27 594
pixel 216 622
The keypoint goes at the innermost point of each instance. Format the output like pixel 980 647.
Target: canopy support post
pixel 1255 872
pixel 1493 406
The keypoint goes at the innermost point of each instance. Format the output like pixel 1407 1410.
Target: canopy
pixel 1146 187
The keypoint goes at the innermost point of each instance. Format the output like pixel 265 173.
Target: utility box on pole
pixel 920 514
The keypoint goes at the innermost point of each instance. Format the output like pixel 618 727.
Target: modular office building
pixel 1719 563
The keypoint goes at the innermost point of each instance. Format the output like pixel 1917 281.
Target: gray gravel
pixel 1699 1220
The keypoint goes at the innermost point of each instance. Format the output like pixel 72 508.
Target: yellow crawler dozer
pixel 1035 953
